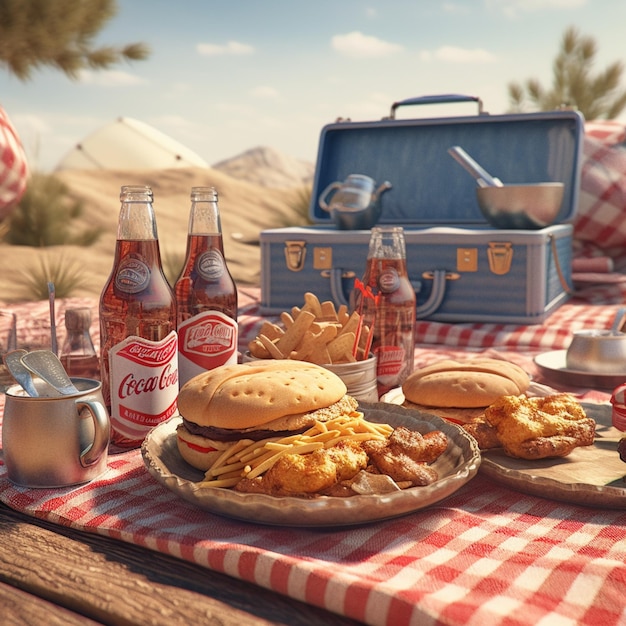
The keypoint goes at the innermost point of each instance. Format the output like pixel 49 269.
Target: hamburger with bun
pixel 488 398
pixel 255 400
pixel 461 390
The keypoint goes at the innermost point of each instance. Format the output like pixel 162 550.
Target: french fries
pixel 249 459
pixel 317 332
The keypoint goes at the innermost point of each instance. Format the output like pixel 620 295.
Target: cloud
pixel 234 48
pixel 171 121
pixel 454 8
pixel 453 54
pixel 264 92
pixel 360 46
pixel 34 123
pixel 110 78
pixel 512 8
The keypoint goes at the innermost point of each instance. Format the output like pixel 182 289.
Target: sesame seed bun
pixel 255 400
pixel 473 383
pixel 255 393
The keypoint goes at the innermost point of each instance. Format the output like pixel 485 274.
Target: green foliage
pixel 300 206
pixel 59 33
pixel 596 96
pixel 44 216
pixel 68 278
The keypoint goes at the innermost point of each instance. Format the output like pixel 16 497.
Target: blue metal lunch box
pixel 463 269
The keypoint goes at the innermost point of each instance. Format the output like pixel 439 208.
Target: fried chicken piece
pixel 421 448
pixel 391 460
pixel 405 456
pixel 543 447
pixel 538 428
pixel 485 434
pixel 308 474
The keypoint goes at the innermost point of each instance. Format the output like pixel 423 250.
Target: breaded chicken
pixel 536 428
pixel 309 474
pixel 405 456
pixel 401 467
pixel 421 448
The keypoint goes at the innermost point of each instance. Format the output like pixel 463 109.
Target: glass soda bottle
pixel 78 354
pixel 206 295
pixel 139 344
pixel 394 327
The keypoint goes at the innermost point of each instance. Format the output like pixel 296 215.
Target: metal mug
pixel 55 441
pixel 597 351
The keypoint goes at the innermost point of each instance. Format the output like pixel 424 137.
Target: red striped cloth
pixel 599 222
pixel 485 555
pixel 13 166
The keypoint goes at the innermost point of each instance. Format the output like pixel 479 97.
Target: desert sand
pixel 246 209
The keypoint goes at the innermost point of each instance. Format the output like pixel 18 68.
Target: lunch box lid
pixel 428 186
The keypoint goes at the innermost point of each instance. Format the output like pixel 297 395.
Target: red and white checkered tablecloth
pixel 485 555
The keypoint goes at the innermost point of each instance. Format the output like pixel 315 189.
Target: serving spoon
pixel 13 361
pixel 482 176
pixel 47 366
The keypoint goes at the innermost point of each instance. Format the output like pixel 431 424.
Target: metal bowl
pixel 527 206
pixel 597 351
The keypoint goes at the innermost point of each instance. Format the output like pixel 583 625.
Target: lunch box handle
pixel 439 99
pixel 437 294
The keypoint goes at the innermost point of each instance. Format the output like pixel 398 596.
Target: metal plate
pixel 456 466
pixel 553 366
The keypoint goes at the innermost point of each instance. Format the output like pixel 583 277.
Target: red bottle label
pixel 390 362
pixel 206 341
pixel 144 385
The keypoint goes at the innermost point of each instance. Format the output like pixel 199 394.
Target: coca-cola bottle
pixel 394 326
pixel 206 295
pixel 139 345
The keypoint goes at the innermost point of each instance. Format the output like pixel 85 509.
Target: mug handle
pixel 94 450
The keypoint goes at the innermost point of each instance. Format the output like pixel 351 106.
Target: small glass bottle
pixel 78 354
pixel 206 294
pixel 394 327
pixel 139 344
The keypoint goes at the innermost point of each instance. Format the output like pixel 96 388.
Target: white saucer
pixel 553 365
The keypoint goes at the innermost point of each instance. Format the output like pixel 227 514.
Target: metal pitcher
pixel 355 205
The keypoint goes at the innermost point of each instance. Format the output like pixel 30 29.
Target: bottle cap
pixel 77 319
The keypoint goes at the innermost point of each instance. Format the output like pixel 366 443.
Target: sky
pixel 225 76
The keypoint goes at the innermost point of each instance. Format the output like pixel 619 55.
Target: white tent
pixel 129 144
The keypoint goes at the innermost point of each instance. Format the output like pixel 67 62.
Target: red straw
pixel 367 296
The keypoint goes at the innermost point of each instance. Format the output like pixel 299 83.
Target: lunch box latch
pixel 295 254
pixel 500 255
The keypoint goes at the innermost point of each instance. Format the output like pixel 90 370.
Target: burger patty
pixel 228 434
pixel 296 424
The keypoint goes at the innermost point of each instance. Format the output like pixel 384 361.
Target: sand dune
pixel 246 209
